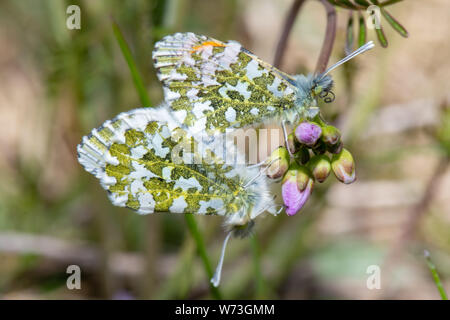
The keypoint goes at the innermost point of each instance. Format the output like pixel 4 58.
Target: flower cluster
pixel 316 150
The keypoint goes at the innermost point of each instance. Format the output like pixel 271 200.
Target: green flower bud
pixel 320 167
pixel 330 135
pixel 278 163
pixel 302 156
pixel 343 166
pixel 304 178
pixel 293 143
pixel 300 174
pixel 337 148
pixel 320 148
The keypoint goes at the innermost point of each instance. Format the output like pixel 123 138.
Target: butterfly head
pixel 321 86
pixel 310 89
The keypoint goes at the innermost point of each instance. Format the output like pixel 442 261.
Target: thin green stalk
pixel 195 232
pixel 153 227
pixel 260 285
pixel 435 275
pixel 137 79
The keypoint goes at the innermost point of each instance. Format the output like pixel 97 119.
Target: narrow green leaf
pixel 201 248
pixel 348 4
pixel 350 34
pixel 394 23
pixel 138 83
pixel 260 284
pixel 339 3
pixel 388 3
pixel 362 32
pixel 363 3
pixel 381 37
pixel 435 275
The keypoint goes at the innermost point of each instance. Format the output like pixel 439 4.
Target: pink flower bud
pixel 308 133
pixel 296 188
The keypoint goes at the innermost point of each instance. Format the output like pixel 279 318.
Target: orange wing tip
pixel 207 43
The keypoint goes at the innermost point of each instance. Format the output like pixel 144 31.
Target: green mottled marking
pixel 163 191
pixel 120 151
pixel 132 202
pixel 105 133
pixel 235 95
pixel 282 86
pixel 117 124
pixel 217 50
pixel 151 127
pixel 98 144
pixel 133 138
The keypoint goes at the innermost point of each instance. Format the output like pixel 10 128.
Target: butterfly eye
pixel 317 90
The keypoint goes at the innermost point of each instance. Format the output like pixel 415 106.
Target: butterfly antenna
pixel 369 45
pixel 215 280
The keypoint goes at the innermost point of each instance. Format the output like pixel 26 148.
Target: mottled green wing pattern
pixel 211 85
pixel 148 165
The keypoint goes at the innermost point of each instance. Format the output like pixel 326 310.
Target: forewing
pixel 212 85
pixel 132 157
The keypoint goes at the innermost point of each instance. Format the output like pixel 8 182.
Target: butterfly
pixel 211 86
pixel 148 163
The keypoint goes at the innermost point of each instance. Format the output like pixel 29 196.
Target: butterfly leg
pixel 215 280
pixel 280 209
pixel 259 173
pixel 260 164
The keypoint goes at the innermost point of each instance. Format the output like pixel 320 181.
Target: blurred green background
pixel 58 84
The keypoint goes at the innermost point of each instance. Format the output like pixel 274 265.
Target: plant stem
pixel 153 221
pixel 137 79
pixel 330 35
pixel 195 232
pixel 260 286
pixel 435 275
pixel 289 22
